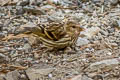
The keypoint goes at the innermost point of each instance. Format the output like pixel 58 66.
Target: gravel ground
pixel 97 55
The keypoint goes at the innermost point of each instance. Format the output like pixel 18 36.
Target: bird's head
pixel 73 28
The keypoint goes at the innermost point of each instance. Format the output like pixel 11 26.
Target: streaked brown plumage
pixel 57 35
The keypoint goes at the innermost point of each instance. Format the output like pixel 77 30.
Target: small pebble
pixel 109 53
pixel 50 75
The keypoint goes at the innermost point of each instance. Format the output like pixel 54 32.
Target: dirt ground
pixel 96 55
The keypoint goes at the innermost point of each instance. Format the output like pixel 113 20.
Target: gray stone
pixel 90 32
pixel 2 77
pixel 34 74
pixel 14 75
pixel 57 16
pixel 113 2
pixel 2 35
pixel 4 2
pixel 48 7
pixel 96 1
pixel 88 8
pixel 55 1
pixel 3 58
pixel 111 30
pixel 27 47
pixel 104 64
pixel 62 2
pixel 84 77
pixel 2 55
pixel 118 23
pixel 78 16
pixel 101 52
pixel 113 44
pixel 19 10
pixel 3 50
pixel 78 77
pixel 35 2
pixel 82 41
pixel 104 32
pixel 23 2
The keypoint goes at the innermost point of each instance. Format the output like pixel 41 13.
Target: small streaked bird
pixel 56 35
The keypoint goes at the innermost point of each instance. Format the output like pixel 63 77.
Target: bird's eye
pixel 73 26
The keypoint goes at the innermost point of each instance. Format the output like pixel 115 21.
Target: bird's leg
pixel 69 50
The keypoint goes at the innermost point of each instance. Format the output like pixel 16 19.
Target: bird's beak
pixel 81 28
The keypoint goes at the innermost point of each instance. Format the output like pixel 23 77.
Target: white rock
pixel 109 53
pixel 34 74
pixel 90 32
pixel 48 7
pixel 104 64
pixel 82 41
pixel 55 1
pixel 50 75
